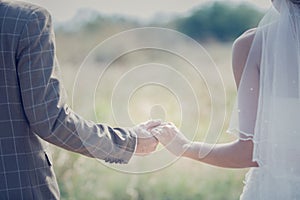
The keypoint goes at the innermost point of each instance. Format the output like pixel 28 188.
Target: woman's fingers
pixel 156 132
pixel 169 136
pixel 163 134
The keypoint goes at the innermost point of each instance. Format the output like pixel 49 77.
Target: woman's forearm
pixel 237 154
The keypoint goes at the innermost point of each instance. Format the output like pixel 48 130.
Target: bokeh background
pixel 82 25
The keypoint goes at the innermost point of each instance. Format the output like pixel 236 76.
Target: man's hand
pixel 146 142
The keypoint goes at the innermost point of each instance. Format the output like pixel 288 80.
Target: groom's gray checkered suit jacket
pixel 32 107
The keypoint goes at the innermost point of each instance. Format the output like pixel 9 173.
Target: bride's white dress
pixel 268 106
pixel 278 177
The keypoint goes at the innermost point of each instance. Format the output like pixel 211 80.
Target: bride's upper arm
pixel 240 51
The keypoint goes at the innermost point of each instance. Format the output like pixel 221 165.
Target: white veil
pixel 268 105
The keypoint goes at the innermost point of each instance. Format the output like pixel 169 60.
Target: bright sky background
pixel 63 10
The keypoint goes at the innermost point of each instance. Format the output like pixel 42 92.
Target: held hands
pixel 150 133
pixel 146 142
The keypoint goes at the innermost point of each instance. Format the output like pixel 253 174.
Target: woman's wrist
pixel 196 151
pixel 188 150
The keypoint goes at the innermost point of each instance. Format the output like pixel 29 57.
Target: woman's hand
pixel 169 136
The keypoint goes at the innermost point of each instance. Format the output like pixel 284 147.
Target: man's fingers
pixel 152 123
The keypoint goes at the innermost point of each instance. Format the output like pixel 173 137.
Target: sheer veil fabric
pixel 268 105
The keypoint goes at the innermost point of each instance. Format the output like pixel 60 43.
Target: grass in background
pixel 84 178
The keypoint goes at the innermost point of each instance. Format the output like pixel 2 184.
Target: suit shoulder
pixel 22 10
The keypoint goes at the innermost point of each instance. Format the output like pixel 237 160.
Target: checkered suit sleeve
pixel 45 108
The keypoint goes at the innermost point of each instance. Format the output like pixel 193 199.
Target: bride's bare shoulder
pixel 245 40
pixel 240 51
pixel 241 47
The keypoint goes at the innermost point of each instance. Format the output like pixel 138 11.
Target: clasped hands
pixel 151 133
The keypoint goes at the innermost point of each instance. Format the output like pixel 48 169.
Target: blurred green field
pixel 84 178
pixel 119 98
pixel 81 178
